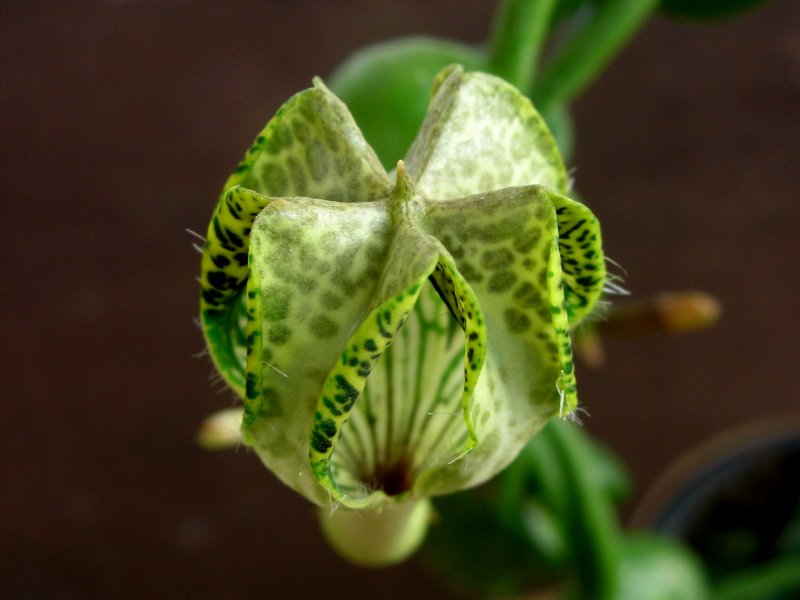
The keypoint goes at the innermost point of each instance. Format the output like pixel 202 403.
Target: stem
pixel 377 537
pixel 518 34
pixel 593 533
pixel 582 57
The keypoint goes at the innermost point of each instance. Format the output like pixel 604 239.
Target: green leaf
pixel 559 121
pixel 518 35
pixel 589 521
pixel 475 549
pixel 775 579
pixel 658 568
pixel 581 58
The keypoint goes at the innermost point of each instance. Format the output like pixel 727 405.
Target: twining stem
pixel 584 55
pixel 519 32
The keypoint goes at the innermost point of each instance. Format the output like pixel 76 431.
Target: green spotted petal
pixel 314 271
pixel 223 277
pixel 506 245
pixel 481 135
pixel 582 260
pixel 411 259
pixel 311 148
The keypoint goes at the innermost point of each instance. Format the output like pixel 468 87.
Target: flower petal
pixel 223 277
pixel 506 246
pixel 481 134
pixel 314 270
pixel 412 258
pixel 312 147
pixel 582 260
pixel 402 423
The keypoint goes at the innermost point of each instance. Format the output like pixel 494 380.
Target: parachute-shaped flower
pixel 397 336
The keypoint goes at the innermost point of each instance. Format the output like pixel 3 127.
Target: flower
pixel 399 336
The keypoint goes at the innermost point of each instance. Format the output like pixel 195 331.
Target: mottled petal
pixel 223 277
pixel 315 268
pixel 480 135
pixel 411 259
pixel 311 148
pixel 401 423
pixel 582 261
pixel 506 245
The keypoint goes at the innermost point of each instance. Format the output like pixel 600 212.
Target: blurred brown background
pixel 119 122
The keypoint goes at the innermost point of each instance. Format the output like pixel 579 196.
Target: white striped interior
pixel 410 411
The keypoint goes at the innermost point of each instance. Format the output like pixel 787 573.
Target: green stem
pixel 593 530
pixel 582 57
pixel 518 34
pixel 537 462
pixel 778 578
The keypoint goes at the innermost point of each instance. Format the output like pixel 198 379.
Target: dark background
pixel 119 122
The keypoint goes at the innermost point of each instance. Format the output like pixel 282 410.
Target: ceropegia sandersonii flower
pixel 397 336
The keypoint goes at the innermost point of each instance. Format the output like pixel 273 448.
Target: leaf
pixel 654 567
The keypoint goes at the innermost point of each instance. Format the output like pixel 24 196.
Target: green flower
pixel 398 336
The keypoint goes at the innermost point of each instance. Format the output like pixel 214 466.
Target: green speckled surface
pixel 315 259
